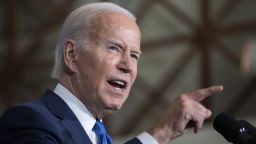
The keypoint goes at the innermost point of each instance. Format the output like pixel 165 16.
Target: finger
pixel 198 122
pixel 198 113
pixel 199 110
pixel 194 124
pixel 201 94
pixel 199 125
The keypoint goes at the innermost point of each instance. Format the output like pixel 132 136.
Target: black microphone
pixel 232 130
pixel 250 128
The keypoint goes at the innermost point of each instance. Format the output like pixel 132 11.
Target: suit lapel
pixel 67 118
pixel 76 131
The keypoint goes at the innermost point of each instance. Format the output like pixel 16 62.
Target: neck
pixel 95 110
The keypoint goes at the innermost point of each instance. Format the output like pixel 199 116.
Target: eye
pixel 114 48
pixel 135 56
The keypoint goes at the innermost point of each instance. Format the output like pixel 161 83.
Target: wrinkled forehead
pixel 109 20
pixel 115 26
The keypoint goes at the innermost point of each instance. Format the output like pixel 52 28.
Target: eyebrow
pixel 118 44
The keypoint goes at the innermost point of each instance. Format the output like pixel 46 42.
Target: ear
pixel 70 56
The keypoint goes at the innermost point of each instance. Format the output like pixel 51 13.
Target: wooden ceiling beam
pixel 14 61
pixel 159 43
pixel 204 44
pixel 227 53
pixel 239 27
pixel 179 14
pixel 225 10
pixel 205 8
pixel 205 72
pixel 38 37
pixel 10 76
pixel 143 85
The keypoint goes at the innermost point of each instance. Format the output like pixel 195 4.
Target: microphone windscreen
pixel 226 126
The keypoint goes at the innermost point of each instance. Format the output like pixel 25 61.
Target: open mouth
pixel 119 84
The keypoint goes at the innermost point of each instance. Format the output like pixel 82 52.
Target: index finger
pixel 201 94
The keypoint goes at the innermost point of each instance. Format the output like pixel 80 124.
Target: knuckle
pixel 183 104
pixel 185 108
pixel 183 98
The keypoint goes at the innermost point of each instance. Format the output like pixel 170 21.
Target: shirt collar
pixel 79 109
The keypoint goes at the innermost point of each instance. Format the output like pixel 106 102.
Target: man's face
pixel 107 66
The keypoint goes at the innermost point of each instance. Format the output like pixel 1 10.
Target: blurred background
pixel 186 44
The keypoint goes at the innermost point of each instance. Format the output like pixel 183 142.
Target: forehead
pixel 112 18
pixel 115 27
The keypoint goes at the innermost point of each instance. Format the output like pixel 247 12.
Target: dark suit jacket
pixel 48 121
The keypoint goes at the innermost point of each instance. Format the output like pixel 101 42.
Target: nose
pixel 125 64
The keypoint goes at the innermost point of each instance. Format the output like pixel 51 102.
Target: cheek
pixel 88 74
pixel 109 63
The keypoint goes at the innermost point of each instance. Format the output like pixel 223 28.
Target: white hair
pixel 77 26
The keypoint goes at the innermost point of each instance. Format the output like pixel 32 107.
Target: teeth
pixel 119 82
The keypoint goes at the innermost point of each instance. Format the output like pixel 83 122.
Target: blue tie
pixel 101 133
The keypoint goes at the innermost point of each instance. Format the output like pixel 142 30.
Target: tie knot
pixel 99 128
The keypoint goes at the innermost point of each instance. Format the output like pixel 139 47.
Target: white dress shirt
pixel 86 119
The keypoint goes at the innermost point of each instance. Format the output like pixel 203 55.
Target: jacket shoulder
pixel 31 114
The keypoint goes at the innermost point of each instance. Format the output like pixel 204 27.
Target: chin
pixel 110 109
pixel 114 107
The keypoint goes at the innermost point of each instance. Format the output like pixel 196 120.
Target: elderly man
pixel 96 64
